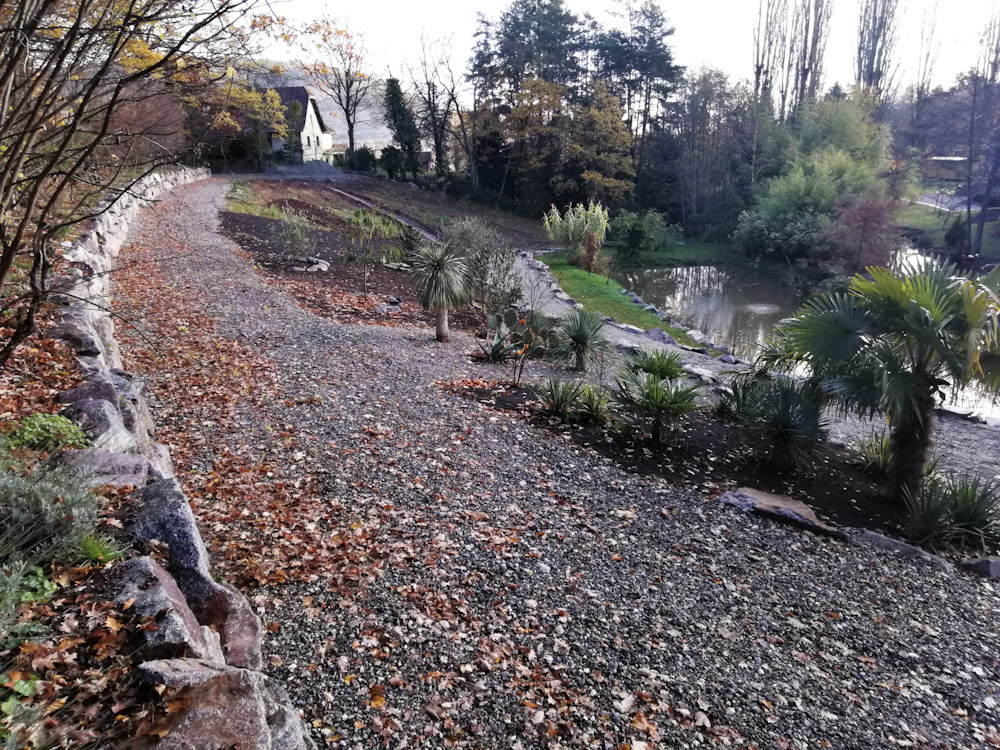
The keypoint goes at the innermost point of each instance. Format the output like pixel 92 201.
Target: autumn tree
pixel 864 233
pixel 337 69
pixel 69 74
pixel 595 163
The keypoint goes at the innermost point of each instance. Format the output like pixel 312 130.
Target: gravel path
pixel 493 586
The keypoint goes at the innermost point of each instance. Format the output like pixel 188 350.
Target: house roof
pixel 301 95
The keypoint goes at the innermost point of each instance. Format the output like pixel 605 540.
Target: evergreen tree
pixel 403 124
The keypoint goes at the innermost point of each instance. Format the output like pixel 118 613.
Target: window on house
pixel 308 142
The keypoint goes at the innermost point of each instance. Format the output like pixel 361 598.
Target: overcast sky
pixel 714 33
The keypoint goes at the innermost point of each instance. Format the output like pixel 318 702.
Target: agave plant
pixel 656 404
pixel 442 276
pixel 876 453
pixel 954 510
pixel 892 343
pixel 579 337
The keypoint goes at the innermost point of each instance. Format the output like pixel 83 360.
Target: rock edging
pixel 208 640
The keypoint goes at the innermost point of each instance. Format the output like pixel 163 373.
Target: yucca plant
pixel 579 337
pixel 928 514
pixel 559 398
pixel 581 230
pixel 442 276
pixel 892 343
pixel 876 453
pixel 594 405
pixel 659 363
pixel 954 510
pixel 975 512
pixel 783 417
pixel 657 405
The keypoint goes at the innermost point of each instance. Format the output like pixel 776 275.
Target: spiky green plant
pixel 659 363
pixel 656 405
pixel 957 511
pixel 594 405
pixel 876 453
pixel 442 276
pixel 893 342
pixel 975 512
pixel 98 549
pixel 579 337
pixel 928 514
pixel 581 230
pixel 559 398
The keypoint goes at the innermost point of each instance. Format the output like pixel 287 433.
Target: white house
pixel 311 139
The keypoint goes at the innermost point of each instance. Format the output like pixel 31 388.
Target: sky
pixel 709 33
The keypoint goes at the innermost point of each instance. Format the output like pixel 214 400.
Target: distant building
pixel 944 167
pixel 311 139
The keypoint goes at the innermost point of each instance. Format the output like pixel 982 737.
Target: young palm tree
pixel 892 343
pixel 442 276
pixel 656 403
pixel 579 336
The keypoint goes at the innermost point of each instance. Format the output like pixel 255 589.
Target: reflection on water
pixel 737 307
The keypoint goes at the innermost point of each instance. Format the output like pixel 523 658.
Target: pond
pixel 736 306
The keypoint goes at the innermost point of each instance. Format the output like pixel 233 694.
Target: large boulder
pixel 164 515
pixel 102 421
pixel 154 593
pixel 658 334
pixel 104 469
pixel 226 708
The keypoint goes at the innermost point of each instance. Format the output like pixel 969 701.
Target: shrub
pixel 295 232
pixel 43 517
pixel 957 511
pixel 783 417
pixel 365 159
pixel 659 363
pixel 559 398
pixel 495 283
pixel 579 336
pixel 876 453
pixel 594 405
pixel 47 432
pixel 653 404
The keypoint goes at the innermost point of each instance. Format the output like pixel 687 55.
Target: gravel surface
pixel 493 586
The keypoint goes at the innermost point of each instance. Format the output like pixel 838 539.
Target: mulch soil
pixel 711 455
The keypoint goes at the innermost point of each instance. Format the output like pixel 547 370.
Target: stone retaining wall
pixel 207 643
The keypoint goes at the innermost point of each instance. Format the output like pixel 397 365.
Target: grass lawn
pixel 930 220
pixel 690 254
pixel 596 292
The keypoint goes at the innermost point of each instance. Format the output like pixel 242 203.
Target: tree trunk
pixel 977 243
pixel 911 443
pixel 581 362
pixel 441 332
pixel 353 161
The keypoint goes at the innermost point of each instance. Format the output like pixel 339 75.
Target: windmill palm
pixel 442 276
pixel 892 343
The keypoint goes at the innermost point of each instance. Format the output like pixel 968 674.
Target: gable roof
pixel 301 95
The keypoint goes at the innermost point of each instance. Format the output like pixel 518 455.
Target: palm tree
pixel 580 336
pixel 653 401
pixel 892 343
pixel 442 276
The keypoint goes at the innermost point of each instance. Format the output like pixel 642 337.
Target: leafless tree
pixel 463 122
pixel 926 61
pixel 770 46
pixel 434 104
pixel 78 81
pixel 338 72
pixel 875 59
pixel 984 129
pixel 810 32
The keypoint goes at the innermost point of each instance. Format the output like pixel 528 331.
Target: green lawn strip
pixel 604 295
pixel 930 220
pixel 692 254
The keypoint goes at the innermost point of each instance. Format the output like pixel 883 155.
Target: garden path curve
pixel 453 575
